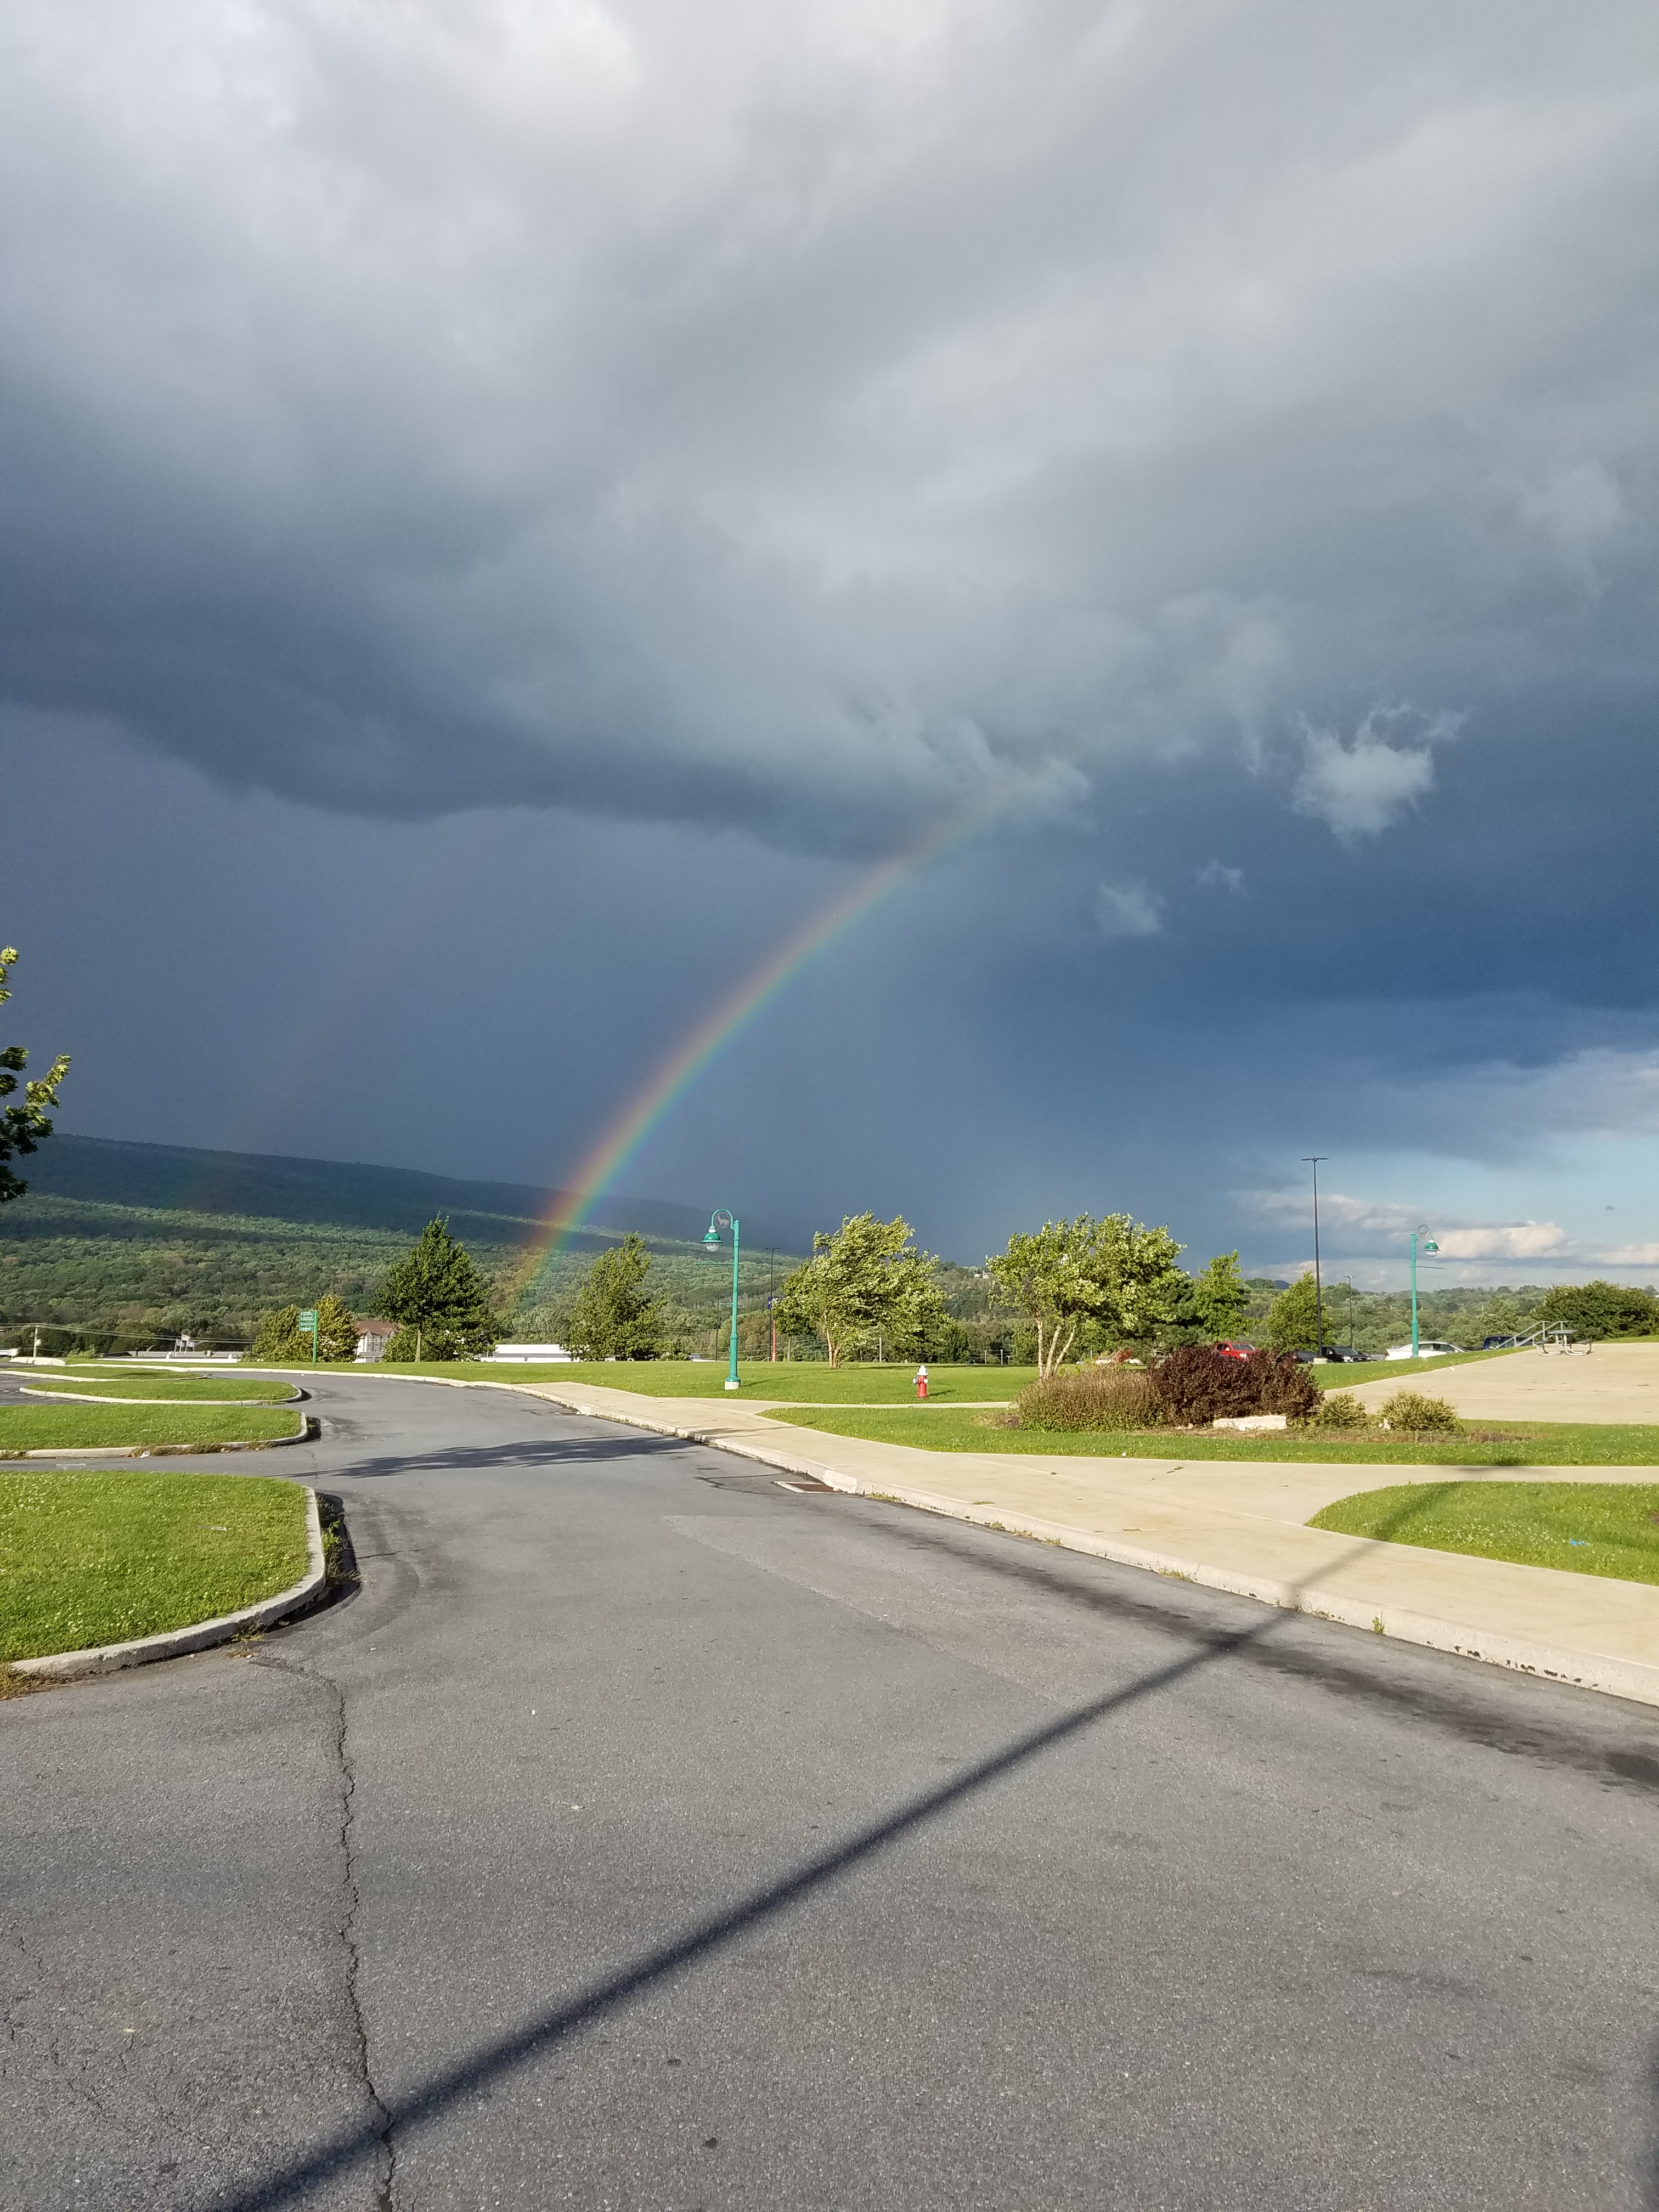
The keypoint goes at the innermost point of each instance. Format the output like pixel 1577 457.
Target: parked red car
pixel 1235 1351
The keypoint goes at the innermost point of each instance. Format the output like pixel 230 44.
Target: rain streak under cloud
pixel 1215 446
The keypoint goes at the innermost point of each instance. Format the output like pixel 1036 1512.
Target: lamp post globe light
pixel 1428 1245
pixel 718 1220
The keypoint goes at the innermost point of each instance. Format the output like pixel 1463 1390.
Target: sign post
pixel 308 1321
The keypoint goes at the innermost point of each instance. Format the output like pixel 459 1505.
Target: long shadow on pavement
pixel 371 2140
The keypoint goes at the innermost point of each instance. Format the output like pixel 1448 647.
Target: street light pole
pixel 1312 1160
pixel 718 1220
pixel 1429 1245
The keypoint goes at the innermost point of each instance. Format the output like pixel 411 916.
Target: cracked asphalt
pixel 643 1834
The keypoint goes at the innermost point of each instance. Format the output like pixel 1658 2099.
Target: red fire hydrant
pixel 921 1381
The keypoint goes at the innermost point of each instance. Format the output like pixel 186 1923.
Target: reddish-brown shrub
pixel 1196 1384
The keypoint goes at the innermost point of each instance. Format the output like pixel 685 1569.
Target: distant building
pixel 372 1337
pixel 510 1353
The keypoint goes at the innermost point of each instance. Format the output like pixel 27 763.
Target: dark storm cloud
pixel 827 419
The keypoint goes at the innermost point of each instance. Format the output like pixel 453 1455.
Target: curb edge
pixel 201 1635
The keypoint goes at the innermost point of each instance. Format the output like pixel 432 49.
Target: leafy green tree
pixel 1066 1274
pixel 1052 1276
pixel 1219 1297
pixel 863 1282
pixel 23 1126
pixel 336 1330
pixel 1600 1310
pixel 613 1318
pixel 277 1341
pixel 1291 1318
pixel 439 1290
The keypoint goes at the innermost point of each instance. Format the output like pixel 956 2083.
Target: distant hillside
pixel 345 1195
pixel 127 1240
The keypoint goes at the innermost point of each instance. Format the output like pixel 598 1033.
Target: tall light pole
pixel 1312 1160
pixel 1429 1245
pixel 718 1220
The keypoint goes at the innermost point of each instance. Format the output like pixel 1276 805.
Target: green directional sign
pixel 309 1327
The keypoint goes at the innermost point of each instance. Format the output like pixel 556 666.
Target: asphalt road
pixel 645 1835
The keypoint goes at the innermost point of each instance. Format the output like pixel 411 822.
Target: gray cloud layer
pixel 825 418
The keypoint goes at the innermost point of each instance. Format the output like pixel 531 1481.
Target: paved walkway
pixel 1232 1525
pixel 1614 1383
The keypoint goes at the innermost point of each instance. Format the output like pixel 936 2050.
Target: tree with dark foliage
pixel 23 1126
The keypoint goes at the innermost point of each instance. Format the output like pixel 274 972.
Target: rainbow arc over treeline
pixel 608 1157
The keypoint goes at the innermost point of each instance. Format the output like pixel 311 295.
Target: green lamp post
pixel 718 1220
pixel 1429 1245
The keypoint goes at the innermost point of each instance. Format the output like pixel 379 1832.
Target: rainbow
pixel 744 1004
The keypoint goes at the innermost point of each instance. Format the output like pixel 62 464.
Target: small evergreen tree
pixel 439 1290
pixel 1219 1297
pixel 613 1318
pixel 1292 1318
pixel 337 1331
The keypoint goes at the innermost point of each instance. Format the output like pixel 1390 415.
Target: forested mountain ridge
pixel 344 1193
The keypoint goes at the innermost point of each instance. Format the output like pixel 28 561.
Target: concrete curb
pixel 173 1643
pixel 309 1429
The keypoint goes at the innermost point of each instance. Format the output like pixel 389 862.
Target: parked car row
pixel 1429 1347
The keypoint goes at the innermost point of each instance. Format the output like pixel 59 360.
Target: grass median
pixel 1586 1527
pixel 123 1428
pixel 103 1555
pixel 1522 1443
pixel 158 1389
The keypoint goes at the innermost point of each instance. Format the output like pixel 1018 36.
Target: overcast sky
pixel 512 507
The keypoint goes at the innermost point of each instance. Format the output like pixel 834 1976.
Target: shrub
pixel 277 1341
pixel 1196 1384
pixel 1410 1409
pixel 1106 1398
pixel 1341 1410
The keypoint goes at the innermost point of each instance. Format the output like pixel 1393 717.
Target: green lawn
pixel 804 1382
pixel 1589 1528
pixel 102 1555
pixel 1524 1443
pixel 160 1389
pixel 58 1428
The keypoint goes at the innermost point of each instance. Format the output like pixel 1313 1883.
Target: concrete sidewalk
pixel 1234 1525
pixel 1613 1382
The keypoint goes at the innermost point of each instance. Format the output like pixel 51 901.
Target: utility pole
pixel 1312 1160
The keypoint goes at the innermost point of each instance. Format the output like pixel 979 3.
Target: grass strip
pixel 1587 1527
pixel 812 1381
pixel 161 1390
pixel 104 1555
pixel 1521 1444
pixel 64 1428
pixel 800 1381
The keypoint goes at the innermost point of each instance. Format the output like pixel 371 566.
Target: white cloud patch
pixel 1362 788
pixel 1519 1240
pixel 1214 876
pixel 1356 1220
pixel 1125 911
